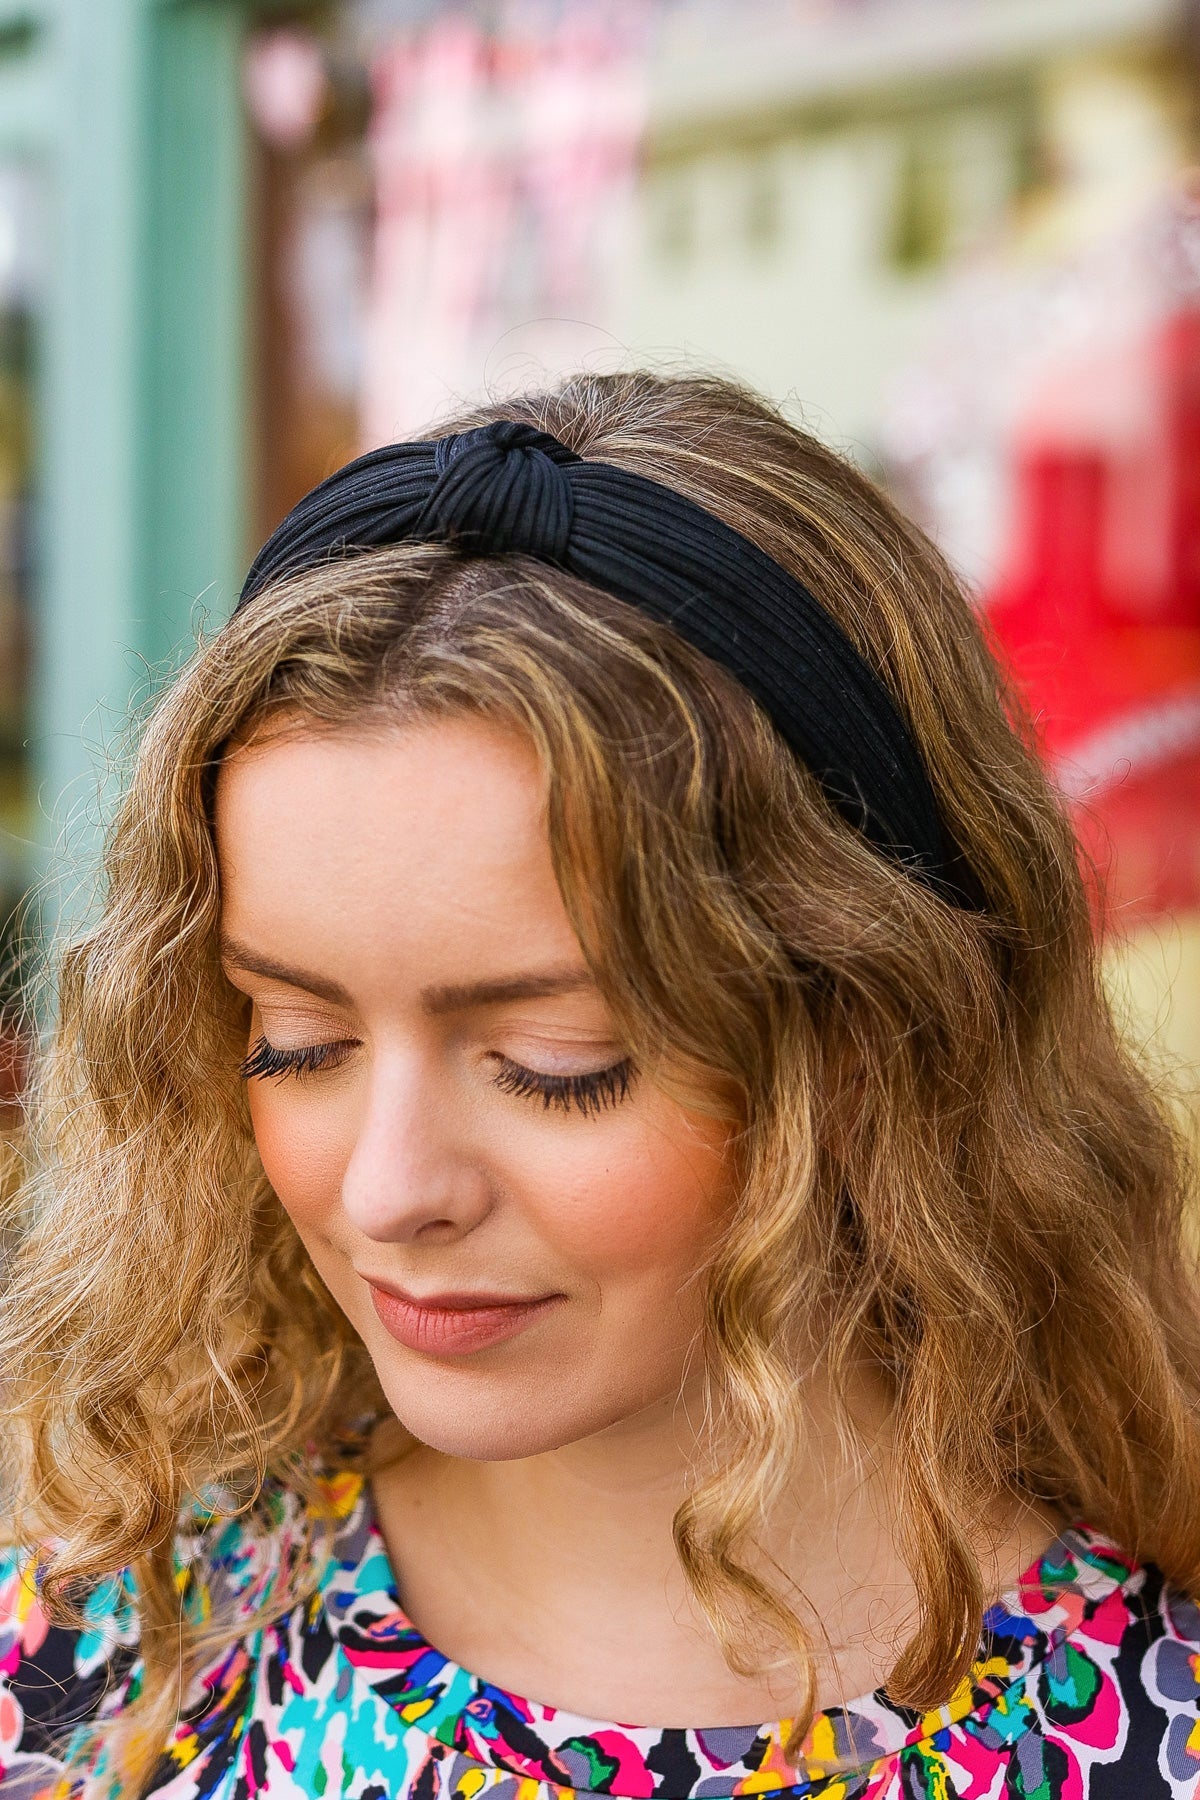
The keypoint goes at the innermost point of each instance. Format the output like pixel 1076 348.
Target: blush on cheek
pixel 303 1160
pixel 653 1206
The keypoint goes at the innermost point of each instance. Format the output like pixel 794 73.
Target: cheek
pixel 639 1200
pixel 304 1149
pixel 625 1204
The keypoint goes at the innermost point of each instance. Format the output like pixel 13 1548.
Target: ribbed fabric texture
pixel 509 488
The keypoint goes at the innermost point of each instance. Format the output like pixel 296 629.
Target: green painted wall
pixel 132 109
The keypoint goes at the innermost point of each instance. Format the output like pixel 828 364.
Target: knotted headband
pixel 509 488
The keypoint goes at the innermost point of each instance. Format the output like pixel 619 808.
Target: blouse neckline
pixel 472 1719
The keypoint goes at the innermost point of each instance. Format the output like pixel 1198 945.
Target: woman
pixel 585 1158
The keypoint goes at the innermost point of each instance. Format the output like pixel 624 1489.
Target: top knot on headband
pixel 508 488
pixel 501 488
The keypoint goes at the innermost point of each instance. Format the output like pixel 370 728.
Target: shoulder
pixel 233 1573
pixel 54 1677
pixel 1157 1667
pixel 1114 1695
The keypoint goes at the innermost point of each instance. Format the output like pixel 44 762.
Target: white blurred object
pixel 22 235
pixel 326 258
pixel 787 51
pixel 286 86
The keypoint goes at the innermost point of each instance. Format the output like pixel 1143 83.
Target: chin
pixel 477 1418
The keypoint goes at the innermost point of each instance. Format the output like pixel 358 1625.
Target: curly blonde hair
pixel 945 1152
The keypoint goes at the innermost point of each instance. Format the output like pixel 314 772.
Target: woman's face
pixel 442 1103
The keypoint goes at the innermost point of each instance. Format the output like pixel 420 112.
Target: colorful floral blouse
pixel 1087 1687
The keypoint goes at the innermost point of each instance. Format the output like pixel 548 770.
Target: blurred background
pixel 958 239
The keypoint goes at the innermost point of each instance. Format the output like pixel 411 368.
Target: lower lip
pixel 442 1331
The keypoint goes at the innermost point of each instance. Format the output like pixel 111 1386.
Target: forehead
pixel 426 835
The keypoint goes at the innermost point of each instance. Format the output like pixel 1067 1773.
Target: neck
pixel 605 1501
pixel 497 1562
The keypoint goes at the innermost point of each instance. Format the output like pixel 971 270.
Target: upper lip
pixel 457 1301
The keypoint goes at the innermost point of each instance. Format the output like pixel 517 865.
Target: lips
pixel 454 1324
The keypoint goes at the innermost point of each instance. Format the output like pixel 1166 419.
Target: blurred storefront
pixel 957 240
pixel 955 237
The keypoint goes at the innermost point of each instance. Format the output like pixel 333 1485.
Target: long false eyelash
pixel 590 1093
pixel 265 1059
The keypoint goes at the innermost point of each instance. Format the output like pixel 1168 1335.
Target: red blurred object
pixel 1099 615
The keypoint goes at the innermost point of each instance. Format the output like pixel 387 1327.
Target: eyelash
pixel 265 1060
pixel 589 1093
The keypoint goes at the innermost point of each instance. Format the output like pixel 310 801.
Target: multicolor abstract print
pixel 1087 1687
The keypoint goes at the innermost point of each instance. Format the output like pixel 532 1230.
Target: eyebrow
pixel 534 984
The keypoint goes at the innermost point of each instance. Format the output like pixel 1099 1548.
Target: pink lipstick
pixel 454 1324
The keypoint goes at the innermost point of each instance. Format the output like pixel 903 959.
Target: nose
pixel 412 1173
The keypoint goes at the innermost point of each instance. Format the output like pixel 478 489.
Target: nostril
pixel 437 1229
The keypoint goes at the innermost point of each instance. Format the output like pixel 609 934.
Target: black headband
pixel 508 487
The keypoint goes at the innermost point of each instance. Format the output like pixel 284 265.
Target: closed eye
pixel 590 1093
pixel 264 1060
